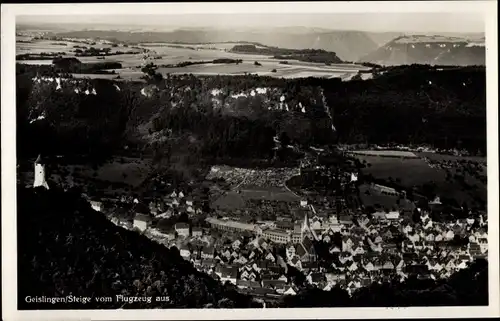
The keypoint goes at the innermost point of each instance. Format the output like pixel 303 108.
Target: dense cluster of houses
pixel 256 256
pixel 370 251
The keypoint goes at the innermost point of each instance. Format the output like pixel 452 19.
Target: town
pixel 270 241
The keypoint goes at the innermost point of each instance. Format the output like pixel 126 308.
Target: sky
pixel 375 22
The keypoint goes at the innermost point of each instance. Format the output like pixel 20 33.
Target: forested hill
pixel 441 106
pixel 64 247
pixel 444 107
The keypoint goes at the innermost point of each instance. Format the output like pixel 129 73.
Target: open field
pixel 415 172
pixel 171 54
pixel 267 193
pixel 238 200
pixel 384 153
pixel 207 46
pixel 409 171
pixel 38 46
pixel 286 71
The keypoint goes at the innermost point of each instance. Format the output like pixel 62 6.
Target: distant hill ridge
pixel 432 50
pixel 349 45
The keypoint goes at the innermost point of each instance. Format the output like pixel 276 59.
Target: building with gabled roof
pixel 142 221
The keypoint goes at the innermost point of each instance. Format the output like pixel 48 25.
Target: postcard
pixel 250 160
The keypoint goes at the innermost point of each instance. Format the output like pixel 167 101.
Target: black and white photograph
pixel 250 160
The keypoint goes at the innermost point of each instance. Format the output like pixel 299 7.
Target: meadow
pixel 416 172
pixel 408 171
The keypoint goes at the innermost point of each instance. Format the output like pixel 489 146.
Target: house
pixel 247 284
pixel 283 278
pixel 400 266
pixel 208 263
pixel 276 285
pixel 142 222
pixel 184 251
pixel 347 244
pixel 241 260
pixel 310 266
pixel 275 269
pixel 448 235
pixel 352 267
pixel 369 266
pixel 251 275
pixel 430 237
pixel 316 278
pixel 96 206
pixel 275 235
pixel 392 215
pixel 377 239
pixel 388 265
pixel 459 265
pixel 345 220
pixel 174 203
pixel 285 225
pixel 197 232
pixel 226 254
pixel 345 257
pixel 414 237
pixel 290 291
pixel 306 250
pixel 358 250
pixel 295 262
pixel 182 229
pixel 270 257
pixel 474 249
pixel 335 249
pixel 390 248
pixel 227 273
pixel 236 244
pixel 244 275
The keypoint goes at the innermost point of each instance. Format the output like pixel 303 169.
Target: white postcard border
pixel 9 254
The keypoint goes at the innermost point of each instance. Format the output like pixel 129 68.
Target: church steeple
pixel 306 229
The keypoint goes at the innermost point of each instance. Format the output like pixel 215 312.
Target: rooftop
pixel 232 224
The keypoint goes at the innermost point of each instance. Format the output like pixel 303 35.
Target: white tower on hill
pixel 40 173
